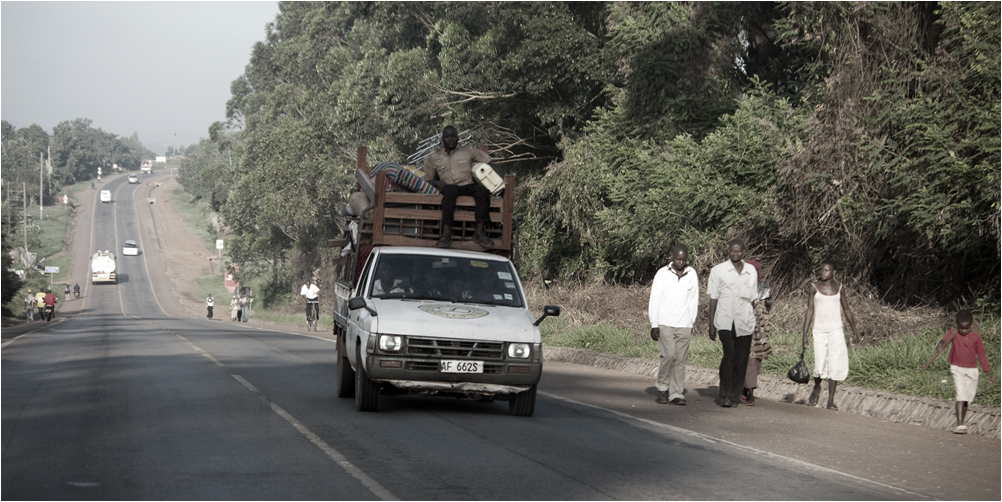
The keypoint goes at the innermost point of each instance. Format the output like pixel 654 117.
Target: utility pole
pixel 41 197
pixel 24 213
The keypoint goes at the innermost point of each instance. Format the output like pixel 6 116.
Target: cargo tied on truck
pixel 413 318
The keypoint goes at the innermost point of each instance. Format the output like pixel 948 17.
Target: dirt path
pixel 176 259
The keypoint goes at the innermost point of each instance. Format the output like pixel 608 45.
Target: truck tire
pixel 523 404
pixel 366 391
pixel 345 379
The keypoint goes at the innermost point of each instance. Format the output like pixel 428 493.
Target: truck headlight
pixel 390 343
pixel 519 350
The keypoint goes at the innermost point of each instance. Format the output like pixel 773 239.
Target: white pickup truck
pixel 102 267
pixel 412 318
pixel 437 321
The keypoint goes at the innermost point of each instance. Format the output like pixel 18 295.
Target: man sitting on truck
pixel 450 170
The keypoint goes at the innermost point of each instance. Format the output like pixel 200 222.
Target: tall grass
pixel 196 216
pixel 52 238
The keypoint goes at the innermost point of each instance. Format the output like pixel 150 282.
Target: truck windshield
pixel 459 280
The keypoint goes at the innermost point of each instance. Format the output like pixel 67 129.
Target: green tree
pixel 11 282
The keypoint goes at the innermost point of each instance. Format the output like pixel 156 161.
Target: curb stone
pixel 928 412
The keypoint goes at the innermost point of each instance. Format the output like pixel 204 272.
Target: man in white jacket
pixel 672 312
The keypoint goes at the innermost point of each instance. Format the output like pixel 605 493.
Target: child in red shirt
pixel 966 350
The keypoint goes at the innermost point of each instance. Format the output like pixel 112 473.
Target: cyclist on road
pixel 311 292
pixel 50 304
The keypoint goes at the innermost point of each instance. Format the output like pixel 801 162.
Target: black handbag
pixel 799 372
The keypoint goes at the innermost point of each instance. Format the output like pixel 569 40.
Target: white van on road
pixel 105 195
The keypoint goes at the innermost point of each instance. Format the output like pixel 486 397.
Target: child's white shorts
pixel 965 380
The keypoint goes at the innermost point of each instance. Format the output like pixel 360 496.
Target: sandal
pixel 813 400
pixel 831 406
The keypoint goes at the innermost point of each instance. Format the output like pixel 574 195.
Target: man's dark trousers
pixel 480 195
pixel 734 364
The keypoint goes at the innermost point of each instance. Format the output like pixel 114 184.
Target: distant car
pixel 133 178
pixel 105 195
pixel 130 248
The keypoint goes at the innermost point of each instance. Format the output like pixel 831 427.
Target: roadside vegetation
pixel 47 237
pixel 67 161
pixel 895 345
pixel 860 131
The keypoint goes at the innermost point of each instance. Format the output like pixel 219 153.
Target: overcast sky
pixel 152 68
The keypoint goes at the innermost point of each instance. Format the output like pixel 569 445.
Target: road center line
pixel 201 351
pixel 631 420
pixel 118 246
pixel 371 484
pixel 142 246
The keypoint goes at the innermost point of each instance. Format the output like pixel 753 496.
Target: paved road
pixel 124 401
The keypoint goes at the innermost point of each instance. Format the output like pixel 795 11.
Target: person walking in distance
pixel 825 305
pixel 450 170
pixel 209 303
pixel 732 286
pixel 760 348
pixel 29 306
pixel 40 304
pixel 234 309
pixel 245 303
pixel 672 311
pixel 967 350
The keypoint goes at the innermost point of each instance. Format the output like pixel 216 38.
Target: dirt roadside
pixel 176 259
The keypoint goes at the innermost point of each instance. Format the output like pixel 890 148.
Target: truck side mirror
pixel 548 310
pixel 359 303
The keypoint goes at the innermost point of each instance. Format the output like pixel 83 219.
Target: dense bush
pixel 864 132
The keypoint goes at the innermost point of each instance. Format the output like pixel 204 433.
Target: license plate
pixel 451 366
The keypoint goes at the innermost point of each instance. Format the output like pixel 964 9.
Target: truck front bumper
pixel 422 375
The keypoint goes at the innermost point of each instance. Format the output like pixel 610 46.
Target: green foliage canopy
pixel 867 132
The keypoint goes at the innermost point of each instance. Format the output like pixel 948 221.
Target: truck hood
pixel 454 320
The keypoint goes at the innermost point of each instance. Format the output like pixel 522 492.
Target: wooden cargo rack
pixel 412 219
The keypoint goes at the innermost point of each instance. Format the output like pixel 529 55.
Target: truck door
pixel 359 319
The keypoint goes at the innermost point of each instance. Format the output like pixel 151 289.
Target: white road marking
pixel 372 485
pixel 377 489
pixel 118 245
pixel 630 419
pixel 142 247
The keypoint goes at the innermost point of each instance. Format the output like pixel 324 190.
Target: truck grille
pixel 462 349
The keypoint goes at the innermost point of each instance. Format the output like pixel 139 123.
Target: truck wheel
pixel 366 392
pixel 523 404
pixel 345 379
